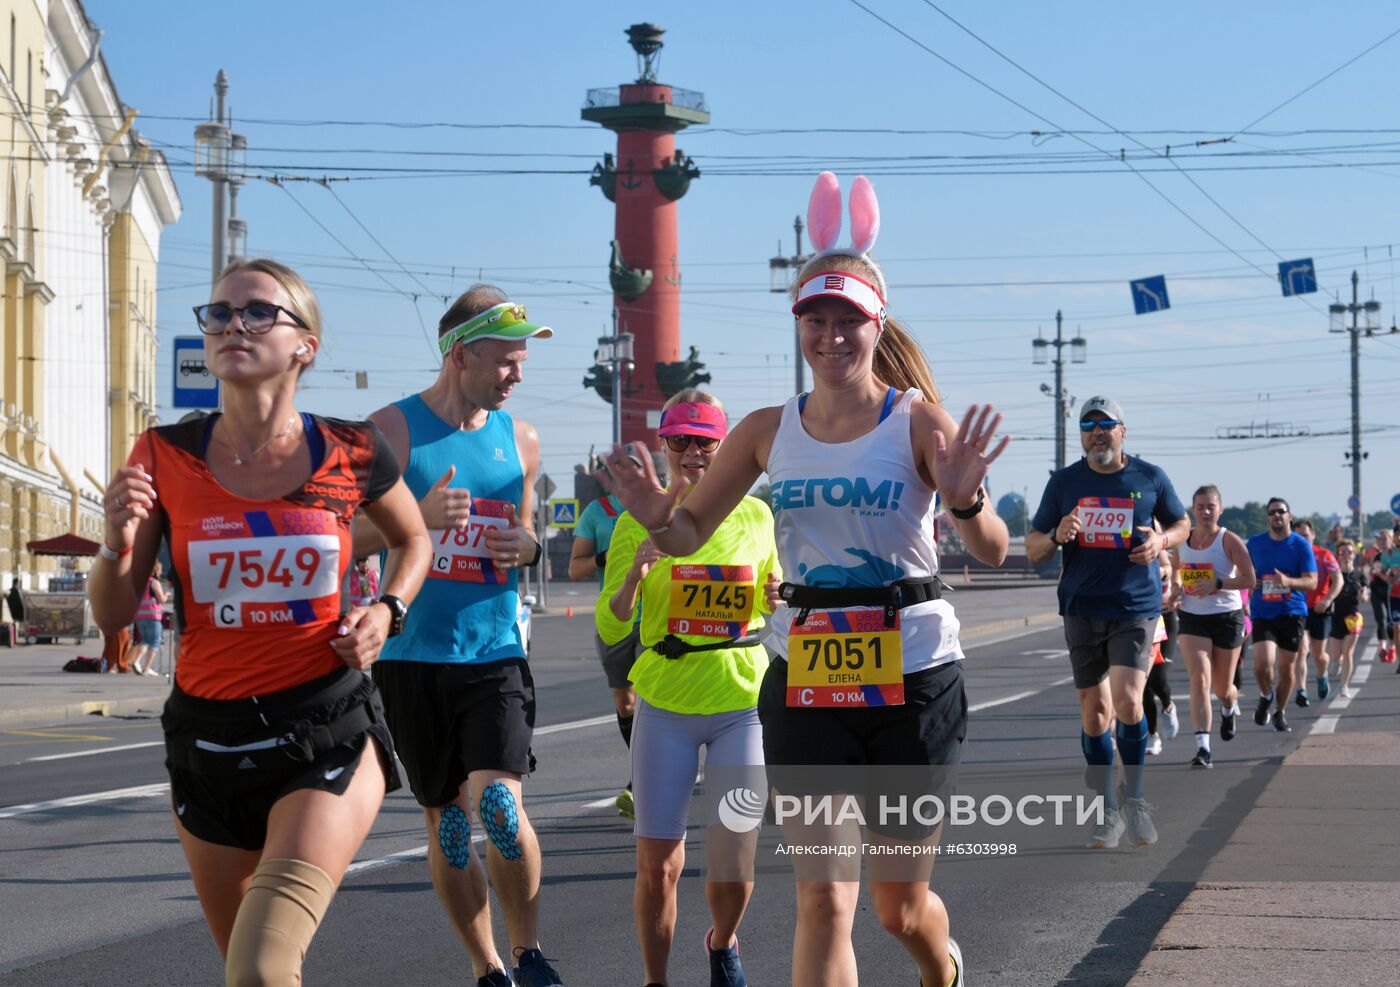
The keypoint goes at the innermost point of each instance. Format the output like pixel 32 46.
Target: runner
pixel 457 688
pixel 1286 570
pixel 1212 568
pixel 1389 565
pixel 592 537
pixel 1319 624
pixel 1101 510
pixel 1158 686
pixel 698 685
pixel 1380 593
pixel 871 423
pixel 1347 621
pixel 271 715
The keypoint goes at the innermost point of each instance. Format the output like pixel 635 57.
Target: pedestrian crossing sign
pixel 563 513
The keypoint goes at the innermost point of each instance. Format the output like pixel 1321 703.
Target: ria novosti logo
pixel 741 810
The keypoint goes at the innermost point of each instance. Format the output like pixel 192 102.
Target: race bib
pixel 461 554
pixel 1354 623
pixel 1196 576
pixel 266 568
pixel 1105 522
pixel 1272 590
pixel 845 658
pixel 711 600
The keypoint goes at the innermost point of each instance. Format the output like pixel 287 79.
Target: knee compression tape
pixel 455 836
pixel 497 800
pixel 280 913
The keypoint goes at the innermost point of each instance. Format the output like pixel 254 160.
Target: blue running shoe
pixel 725 968
pixel 1324 686
pixel 533 970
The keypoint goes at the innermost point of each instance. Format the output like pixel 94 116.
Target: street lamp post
pixel 779 281
pixel 615 353
pixel 212 143
pixel 1040 354
pixel 1338 313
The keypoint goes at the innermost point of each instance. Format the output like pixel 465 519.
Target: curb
pixel 82 711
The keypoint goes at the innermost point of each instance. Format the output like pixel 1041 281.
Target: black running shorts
pixel 1340 630
pixel 1319 625
pixel 1096 644
pixel 229 761
pixel 1286 630
pixel 619 658
pixel 452 718
pixel 1223 630
pixel 927 731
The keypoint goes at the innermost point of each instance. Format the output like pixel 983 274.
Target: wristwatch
pixel 398 613
pixel 967 513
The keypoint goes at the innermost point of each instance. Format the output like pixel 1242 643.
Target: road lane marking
pixel 1328 722
pixel 403 856
pixel 978 707
pixel 592 721
pixel 602 803
pixel 98 750
pixel 58 736
pixel 138 792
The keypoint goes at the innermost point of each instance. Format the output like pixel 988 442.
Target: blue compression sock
pixel 1132 744
pixel 1098 753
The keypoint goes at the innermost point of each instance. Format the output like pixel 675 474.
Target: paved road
pixel 93 886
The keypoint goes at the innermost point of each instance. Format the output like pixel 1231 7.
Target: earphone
pixel 300 350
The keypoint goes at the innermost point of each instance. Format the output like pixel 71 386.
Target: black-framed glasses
pixel 1278 512
pixel 1107 424
pixel 257 317
pixel 680 443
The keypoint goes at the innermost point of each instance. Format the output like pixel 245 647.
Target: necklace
pixel 238 460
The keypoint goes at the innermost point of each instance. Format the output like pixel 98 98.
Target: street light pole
pixel 615 353
pixel 1040 354
pixel 212 141
pixel 779 282
pixel 1338 314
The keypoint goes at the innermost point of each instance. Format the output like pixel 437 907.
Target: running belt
pixel 673 647
pixel 894 597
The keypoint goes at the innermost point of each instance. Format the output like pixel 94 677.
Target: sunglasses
pixel 1107 424
pixel 257 317
pixel 1278 512
pixel 680 443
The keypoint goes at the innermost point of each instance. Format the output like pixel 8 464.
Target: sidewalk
pixel 35 690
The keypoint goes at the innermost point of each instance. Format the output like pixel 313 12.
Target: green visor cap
pixel 503 321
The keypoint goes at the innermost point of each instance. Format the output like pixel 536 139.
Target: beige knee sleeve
pixel 278 917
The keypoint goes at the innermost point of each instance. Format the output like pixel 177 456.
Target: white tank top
pixel 1212 556
pixel 858 514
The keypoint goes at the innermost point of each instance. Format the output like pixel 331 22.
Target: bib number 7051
pixel 845 658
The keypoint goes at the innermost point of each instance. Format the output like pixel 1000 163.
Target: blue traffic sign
pixel 1353 504
pixel 1150 294
pixel 563 513
pixel 195 386
pixel 1395 505
pixel 1297 277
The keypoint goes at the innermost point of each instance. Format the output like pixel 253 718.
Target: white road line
pixel 99 750
pixel 604 803
pixel 139 792
pixel 1328 722
pixel 592 721
pixel 978 707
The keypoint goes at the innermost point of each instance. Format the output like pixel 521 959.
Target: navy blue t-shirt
pixel 1292 556
pixel 1098 580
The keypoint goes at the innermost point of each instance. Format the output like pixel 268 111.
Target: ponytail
pixel 900 362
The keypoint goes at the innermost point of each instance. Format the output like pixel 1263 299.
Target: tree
pixel 1244 521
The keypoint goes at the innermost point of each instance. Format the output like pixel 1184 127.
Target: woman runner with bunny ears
pixel 872 428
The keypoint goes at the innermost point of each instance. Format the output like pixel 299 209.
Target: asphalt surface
pixel 93 887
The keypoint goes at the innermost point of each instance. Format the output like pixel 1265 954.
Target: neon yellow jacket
pixel 719 681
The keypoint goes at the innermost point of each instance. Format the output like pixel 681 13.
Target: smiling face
pixel 838 340
pixel 1102 447
pixel 693 462
pixel 238 356
pixel 1346 554
pixel 490 370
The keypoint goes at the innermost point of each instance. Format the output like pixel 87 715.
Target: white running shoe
pixel 955 953
pixel 1173 725
pixel 1106 834
pixel 1138 823
pixel 1154 744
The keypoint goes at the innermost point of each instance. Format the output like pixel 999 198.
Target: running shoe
pixel 1202 759
pixel 626 808
pixel 496 978
pixel 1301 698
pixel 1106 834
pixel 533 970
pixel 955 954
pixel 1173 725
pixel 1154 744
pixel 1227 723
pixel 1345 693
pixel 1280 724
pixel 1138 823
pixel 1261 712
pixel 725 968
pixel 1324 686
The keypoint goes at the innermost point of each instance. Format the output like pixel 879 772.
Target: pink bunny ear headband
pixel 824 226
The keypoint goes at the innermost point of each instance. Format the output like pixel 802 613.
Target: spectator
pixel 147 624
pixel 16 601
pixel 364 583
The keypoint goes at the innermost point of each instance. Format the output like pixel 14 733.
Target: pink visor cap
pixel 841 284
pixel 694 418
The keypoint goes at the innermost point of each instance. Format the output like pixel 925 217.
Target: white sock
pixel 1203 741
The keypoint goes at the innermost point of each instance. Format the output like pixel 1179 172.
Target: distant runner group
pixel 716 620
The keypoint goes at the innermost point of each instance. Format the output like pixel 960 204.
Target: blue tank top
pixel 466 611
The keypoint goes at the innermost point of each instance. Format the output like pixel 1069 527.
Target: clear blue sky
pixel 995 231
